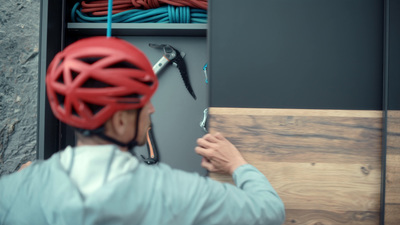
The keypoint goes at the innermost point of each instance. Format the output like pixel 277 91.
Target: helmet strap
pixel 100 133
pixel 130 145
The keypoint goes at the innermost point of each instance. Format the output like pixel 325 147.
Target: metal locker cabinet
pixel 177 117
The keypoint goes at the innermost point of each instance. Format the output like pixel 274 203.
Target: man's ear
pixel 119 123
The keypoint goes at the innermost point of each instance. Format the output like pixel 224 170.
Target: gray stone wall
pixel 19 48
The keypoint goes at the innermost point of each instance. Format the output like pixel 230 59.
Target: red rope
pixel 99 7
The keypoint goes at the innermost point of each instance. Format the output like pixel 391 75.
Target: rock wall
pixel 19 49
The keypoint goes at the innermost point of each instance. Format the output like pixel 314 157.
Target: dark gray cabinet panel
pixel 296 54
pixel 394 56
pixel 178 115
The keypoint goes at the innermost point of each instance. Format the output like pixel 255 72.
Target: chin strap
pixel 99 132
pixel 130 145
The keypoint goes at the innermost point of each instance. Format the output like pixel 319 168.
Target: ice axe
pixel 176 57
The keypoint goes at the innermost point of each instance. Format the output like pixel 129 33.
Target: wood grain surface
pixel 392 201
pixel 324 164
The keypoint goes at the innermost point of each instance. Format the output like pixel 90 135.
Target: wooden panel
pixel 325 164
pixel 392 214
pixel 392 201
pixel 321 217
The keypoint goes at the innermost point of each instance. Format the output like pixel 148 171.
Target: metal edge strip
pixel 386 11
pixel 41 80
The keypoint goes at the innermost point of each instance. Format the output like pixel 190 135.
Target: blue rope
pixel 164 14
pixel 109 18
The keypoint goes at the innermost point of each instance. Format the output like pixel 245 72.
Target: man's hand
pixel 219 155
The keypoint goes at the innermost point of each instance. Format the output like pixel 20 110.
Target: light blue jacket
pixel 64 190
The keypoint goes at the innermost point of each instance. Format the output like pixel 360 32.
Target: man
pixel 102 87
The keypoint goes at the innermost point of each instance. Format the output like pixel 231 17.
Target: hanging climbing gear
pixel 174 56
pixel 203 123
pixel 151 148
pixel 205 72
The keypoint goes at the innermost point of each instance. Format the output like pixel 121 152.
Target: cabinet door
pixel 297 86
pixel 296 54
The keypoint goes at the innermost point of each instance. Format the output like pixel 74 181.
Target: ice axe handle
pixel 160 64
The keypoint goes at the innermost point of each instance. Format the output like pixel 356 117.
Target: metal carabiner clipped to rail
pixel 203 123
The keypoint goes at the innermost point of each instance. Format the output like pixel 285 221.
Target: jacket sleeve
pixel 205 201
pixel 9 191
pixel 4 202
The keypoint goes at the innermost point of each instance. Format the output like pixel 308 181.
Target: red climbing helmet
pixel 95 77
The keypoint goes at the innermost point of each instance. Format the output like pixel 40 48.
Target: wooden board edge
pixel 295 112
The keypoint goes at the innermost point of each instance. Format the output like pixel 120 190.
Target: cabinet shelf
pixel 140 29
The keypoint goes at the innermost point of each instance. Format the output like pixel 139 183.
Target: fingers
pixel 205 163
pixel 208 143
pixel 208 140
pixel 200 150
pixel 204 152
pixel 204 143
pixel 211 138
pixel 218 153
pixel 219 136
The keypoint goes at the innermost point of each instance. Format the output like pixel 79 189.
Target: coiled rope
pixel 164 14
pixel 99 7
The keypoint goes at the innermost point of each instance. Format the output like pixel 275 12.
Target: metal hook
pixel 203 123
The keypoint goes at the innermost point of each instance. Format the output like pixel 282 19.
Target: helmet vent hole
pixel 93 107
pixel 148 83
pixel 138 96
pixel 60 62
pixel 61 78
pixel 91 60
pixel 61 99
pixel 92 83
pixel 74 74
pixel 123 64
pixel 130 99
pixel 73 111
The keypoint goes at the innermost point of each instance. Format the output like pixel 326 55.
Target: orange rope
pixel 99 7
